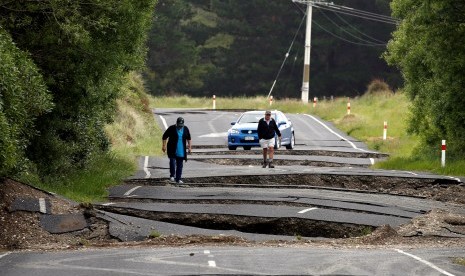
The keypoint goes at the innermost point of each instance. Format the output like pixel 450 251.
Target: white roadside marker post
pixel 443 153
pixel 271 100
pixel 214 101
pixel 385 131
pixel 348 106
pixel 314 101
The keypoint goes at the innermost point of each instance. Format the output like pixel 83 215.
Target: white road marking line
pixel 206 252
pixel 146 163
pixel 132 190
pixel 455 178
pixel 425 262
pixel 42 206
pixel 4 255
pixel 412 173
pixel 214 135
pixel 212 263
pixel 306 210
pixel 333 132
pixel 164 122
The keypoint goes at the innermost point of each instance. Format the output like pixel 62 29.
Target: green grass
pixel 91 184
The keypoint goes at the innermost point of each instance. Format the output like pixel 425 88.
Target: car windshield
pixel 252 118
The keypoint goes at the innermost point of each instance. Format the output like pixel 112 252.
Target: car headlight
pixel 233 131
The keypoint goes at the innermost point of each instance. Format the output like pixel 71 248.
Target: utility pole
pixel 308 36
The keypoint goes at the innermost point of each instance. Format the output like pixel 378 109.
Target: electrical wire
pixel 358 13
pixel 355 29
pixel 346 40
pixel 287 54
pixel 351 34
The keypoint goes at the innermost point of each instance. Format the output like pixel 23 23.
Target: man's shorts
pixel 266 143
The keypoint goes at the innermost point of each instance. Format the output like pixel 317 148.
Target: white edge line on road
pixel 42 206
pixel 212 263
pixel 306 210
pixel 333 132
pixel 164 122
pixel 4 255
pixel 132 190
pixel 146 163
pixel 425 262
pixel 108 204
pixel 455 178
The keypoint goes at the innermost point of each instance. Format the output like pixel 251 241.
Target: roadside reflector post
pixel 443 153
pixel 314 101
pixel 271 100
pixel 214 101
pixel 348 106
pixel 385 131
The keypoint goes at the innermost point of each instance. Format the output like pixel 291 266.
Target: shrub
pixel 23 97
pixel 378 86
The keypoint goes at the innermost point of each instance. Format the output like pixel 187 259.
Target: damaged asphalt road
pixel 323 188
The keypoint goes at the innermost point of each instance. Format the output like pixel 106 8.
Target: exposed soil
pixel 21 229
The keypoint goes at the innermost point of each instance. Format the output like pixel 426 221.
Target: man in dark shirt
pixel 177 135
pixel 267 129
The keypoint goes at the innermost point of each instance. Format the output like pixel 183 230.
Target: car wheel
pixel 247 147
pixel 292 143
pixel 232 147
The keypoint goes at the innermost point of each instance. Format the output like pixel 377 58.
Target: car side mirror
pixel 281 123
pixel 233 123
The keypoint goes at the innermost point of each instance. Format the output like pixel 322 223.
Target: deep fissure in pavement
pixel 409 186
pixel 296 152
pixel 277 162
pixel 258 225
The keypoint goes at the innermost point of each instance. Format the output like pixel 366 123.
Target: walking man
pixel 267 129
pixel 176 137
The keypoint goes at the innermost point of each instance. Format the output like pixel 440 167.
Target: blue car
pixel 243 132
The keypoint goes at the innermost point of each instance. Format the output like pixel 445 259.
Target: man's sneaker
pixel 180 182
pixel 270 165
pixel 172 179
pixel 264 165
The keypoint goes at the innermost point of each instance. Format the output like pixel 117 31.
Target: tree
pixel 83 49
pixel 23 97
pixel 428 49
pixel 233 48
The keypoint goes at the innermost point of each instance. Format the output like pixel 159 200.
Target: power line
pixel 358 13
pixel 358 31
pixel 287 54
pixel 346 40
pixel 351 34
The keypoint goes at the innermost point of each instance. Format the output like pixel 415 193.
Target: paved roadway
pixel 149 193
pixel 234 261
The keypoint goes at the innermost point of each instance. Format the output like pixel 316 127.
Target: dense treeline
pixel 235 48
pixel 429 50
pixel 62 63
